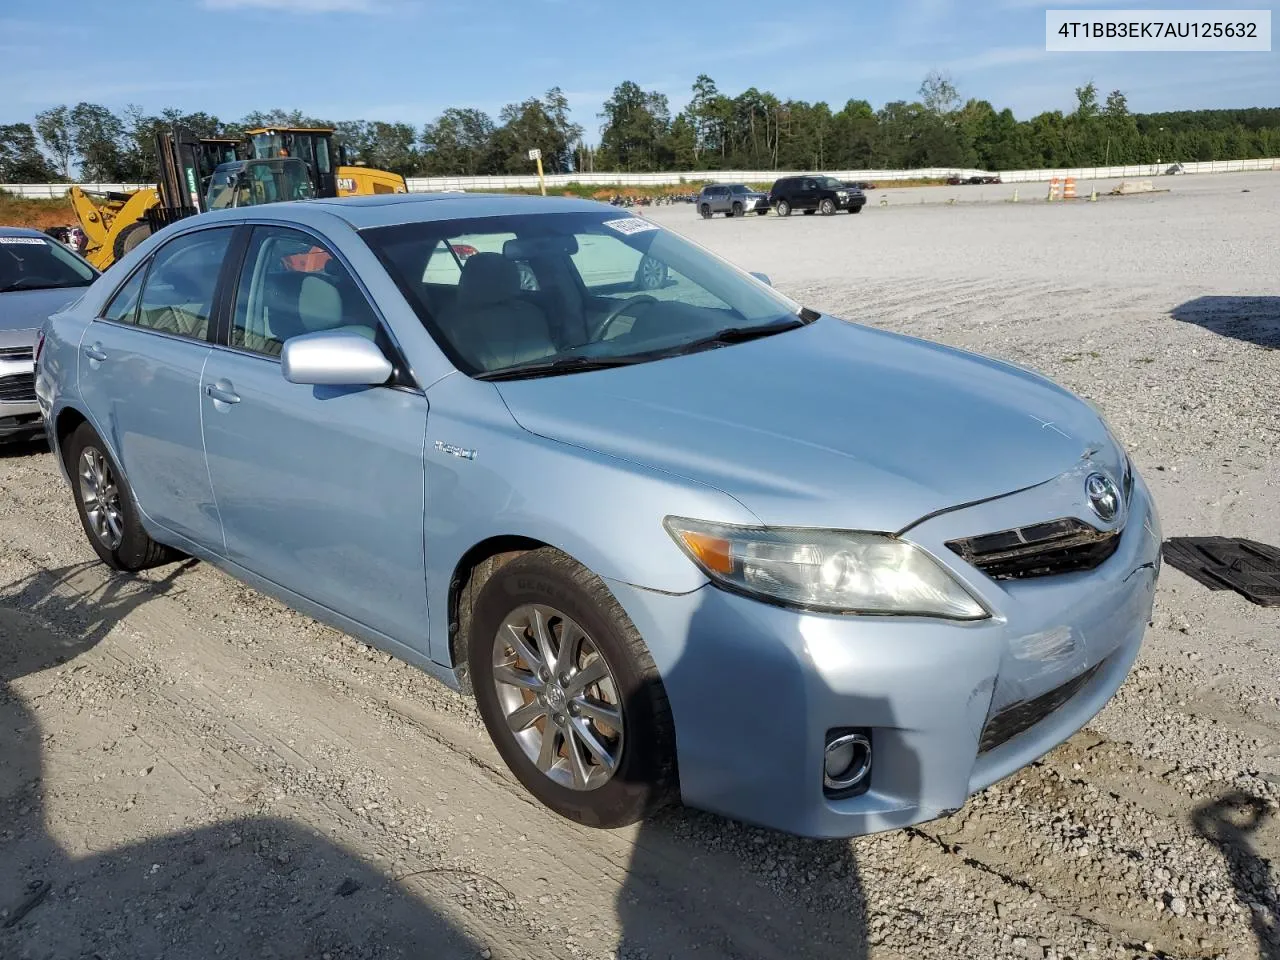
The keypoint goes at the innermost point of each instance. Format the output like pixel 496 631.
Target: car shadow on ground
pixel 249 887
pixel 1252 319
pixel 16 449
pixel 1228 823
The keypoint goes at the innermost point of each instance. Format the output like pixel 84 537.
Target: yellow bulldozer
pixel 268 165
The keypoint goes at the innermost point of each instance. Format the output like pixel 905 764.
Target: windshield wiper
pixel 741 334
pixel 551 368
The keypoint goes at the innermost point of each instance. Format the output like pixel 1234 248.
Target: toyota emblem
pixel 1104 496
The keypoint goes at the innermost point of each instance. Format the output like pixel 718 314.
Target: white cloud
pixel 296 6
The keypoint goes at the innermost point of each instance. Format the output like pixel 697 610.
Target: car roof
pixel 389 209
pixel 21 232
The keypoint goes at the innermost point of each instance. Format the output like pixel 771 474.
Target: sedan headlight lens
pixel 828 570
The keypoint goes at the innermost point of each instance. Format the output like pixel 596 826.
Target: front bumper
pixel 19 411
pixel 755 688
pixel 852 202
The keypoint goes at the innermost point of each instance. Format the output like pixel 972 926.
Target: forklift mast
pixel 179 154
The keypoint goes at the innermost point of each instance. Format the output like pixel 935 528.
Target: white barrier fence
pixel 560 180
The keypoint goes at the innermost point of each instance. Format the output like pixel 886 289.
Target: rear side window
pixel 123 307
pixel 177 297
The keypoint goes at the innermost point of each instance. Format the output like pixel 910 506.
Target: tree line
pixel 638 133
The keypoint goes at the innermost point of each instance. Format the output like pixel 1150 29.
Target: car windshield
pixel 739 188
pixel 830 183
pixel 584 289
pixel 39 263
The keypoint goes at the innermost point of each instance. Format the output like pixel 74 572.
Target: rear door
pixel 808 195
pixel 140 368
pixel 321 489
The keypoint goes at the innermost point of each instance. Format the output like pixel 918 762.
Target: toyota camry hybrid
pixel 691 540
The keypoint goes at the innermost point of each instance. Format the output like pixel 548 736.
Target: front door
pixel 321 489
pixel 140 368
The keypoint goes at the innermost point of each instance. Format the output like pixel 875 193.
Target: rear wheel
pixel 130 237
pixel 105 503
pixel 705 211
pixel 569 692
pixel 783 208
pixel 827 207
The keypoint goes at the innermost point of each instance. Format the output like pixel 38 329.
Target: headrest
pixel 488 278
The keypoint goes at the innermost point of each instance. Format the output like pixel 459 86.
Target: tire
pixel 121 543
pixel 651 274
pixel 783 208
pixel 736 211
pixel 130 237
pixel 644 775
pixel 827 207
pixel 705 211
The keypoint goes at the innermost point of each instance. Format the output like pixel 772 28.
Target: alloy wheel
pixel 100 495
pixel 559 696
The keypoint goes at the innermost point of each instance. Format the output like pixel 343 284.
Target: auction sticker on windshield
pixel 22 241
pixel 630 225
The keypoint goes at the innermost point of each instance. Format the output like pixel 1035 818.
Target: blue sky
pixel 409 59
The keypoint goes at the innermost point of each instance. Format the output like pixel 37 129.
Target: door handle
pixel 222 392
pixel 95 352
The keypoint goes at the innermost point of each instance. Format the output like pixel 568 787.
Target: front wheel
pixel 736 211
pixel 827 207
pixel 705 212
pixel 569 692
pixel 105 503
pixel 783 208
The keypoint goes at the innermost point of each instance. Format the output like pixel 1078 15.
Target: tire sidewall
pixel 826 207
pixel 134 546
pixel 784 208
pixel 636 785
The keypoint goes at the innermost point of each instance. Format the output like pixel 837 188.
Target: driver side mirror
pixel 334 358
pixel 762 277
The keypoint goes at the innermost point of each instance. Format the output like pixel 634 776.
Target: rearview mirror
pixel 335 358
pixel 762 277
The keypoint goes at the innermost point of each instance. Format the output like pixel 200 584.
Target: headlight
pixel 829 570
pixel 842 193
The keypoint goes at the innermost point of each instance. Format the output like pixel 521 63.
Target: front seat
pixel 488 323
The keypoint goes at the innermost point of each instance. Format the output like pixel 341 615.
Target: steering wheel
pixel 618 311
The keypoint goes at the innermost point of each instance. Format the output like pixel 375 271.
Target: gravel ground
pixel 188 769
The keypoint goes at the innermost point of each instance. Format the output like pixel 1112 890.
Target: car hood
pixel 28 309
pixel 832 424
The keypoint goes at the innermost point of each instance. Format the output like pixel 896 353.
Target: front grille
pixel 19 388
pixel 1022 716
pixel 1039 550
pixel 17 353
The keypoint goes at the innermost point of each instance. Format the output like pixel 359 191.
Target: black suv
pixel 812 193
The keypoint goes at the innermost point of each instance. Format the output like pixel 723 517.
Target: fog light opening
pixel 846 762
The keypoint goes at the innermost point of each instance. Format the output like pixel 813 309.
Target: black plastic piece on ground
pixel 1250 568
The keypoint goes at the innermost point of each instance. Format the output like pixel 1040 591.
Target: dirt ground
pixel 188 769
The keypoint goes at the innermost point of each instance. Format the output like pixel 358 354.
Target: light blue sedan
pixel 685 539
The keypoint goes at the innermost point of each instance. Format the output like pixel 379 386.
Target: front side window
pixel 178 293
pixel 39 263
pixel 603 289
pixel 290 285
